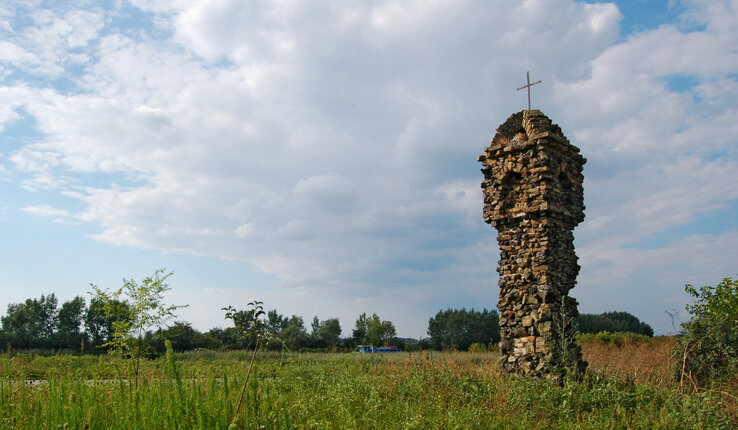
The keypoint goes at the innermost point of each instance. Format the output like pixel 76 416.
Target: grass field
pixel 627 387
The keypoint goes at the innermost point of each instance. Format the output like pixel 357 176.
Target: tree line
pixel 76 326
pixel 41 324
pixel 612 322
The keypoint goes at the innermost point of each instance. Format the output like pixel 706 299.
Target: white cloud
pixel 244 230
pixel 14 54
pixel 52 42
pixel 334 143
pixel 658 158
pixel 13 98
pixel 60 216
pixel 650 281
pixel 46 211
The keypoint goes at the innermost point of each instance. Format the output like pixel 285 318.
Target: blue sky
pixel 322 158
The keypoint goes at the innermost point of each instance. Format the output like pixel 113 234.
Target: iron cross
pixel 527 77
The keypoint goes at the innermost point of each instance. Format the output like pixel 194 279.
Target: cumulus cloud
pixel 51 43
pixel 334 143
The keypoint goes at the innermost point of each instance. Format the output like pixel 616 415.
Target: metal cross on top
pixel 527 78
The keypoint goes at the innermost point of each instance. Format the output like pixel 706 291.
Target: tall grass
pixel 643 361
pixel 428 390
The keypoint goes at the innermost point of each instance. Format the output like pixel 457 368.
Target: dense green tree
pixel 325 333
pixel 294 336
pixel 99 323
pixel 314 335
pixel 207 341
pixel 184 337
pixel 389 333
pixel 69 333
pixel 330 332
pixel 459 328
pixel 612 322
pixel 374 330
pixel 31 324
pixel 155 344
pixel 388 330
pixel 275 323
pixel 227 338
pixel 361 330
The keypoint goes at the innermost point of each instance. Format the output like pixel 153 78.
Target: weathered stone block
pixel 527 321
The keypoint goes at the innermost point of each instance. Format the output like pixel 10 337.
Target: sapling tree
pixel 253 327
pixel 249 322
pixel 145 310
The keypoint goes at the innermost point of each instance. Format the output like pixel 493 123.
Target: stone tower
pixel 533 196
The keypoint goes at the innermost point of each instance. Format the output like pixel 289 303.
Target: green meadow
pixel 421 390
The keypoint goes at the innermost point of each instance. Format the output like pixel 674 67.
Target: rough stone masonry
pixel 533 196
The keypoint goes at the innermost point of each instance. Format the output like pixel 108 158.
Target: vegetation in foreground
pixel 628 385
pixel 423 390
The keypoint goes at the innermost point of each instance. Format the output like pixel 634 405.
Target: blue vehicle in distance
pixel 369 349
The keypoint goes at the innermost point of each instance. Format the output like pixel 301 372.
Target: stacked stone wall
pixel 533 196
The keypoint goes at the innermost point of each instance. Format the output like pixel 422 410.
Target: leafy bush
pixel 708 346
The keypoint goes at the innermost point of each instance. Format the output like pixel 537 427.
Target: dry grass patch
pixel 646 362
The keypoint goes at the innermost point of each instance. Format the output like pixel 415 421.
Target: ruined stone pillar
pixel 533 196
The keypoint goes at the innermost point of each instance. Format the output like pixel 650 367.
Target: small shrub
pixel 478 347
pixel 566 357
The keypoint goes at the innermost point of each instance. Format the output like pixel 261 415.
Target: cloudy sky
pixel 321 155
